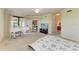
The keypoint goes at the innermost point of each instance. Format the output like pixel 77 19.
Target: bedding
pixel 54 43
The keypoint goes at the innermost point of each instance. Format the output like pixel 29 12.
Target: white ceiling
pixel 29 11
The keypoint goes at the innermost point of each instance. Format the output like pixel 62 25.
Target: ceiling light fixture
pixel 57 14
pixel 36 10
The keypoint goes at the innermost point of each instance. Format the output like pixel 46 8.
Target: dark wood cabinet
pixel 45 31
pixel 59 28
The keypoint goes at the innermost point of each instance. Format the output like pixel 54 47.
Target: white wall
pixel 4 25
pixel 70 24
pixel 1 24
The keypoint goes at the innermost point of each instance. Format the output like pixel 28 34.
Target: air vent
pixel 69 10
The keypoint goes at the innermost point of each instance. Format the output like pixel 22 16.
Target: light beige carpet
pixel 20 43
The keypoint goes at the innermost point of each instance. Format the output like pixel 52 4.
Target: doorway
pixel 35 25
pixel 58 23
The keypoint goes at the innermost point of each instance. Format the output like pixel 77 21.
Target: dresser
pixel 45 31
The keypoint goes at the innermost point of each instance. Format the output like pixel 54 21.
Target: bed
pixel 54 43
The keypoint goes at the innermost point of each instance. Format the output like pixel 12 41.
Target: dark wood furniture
pixel 45 31
pixel 59 28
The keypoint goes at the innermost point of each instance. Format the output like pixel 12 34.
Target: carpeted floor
pixel 20 43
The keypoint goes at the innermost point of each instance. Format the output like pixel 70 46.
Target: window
pixel 16 22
